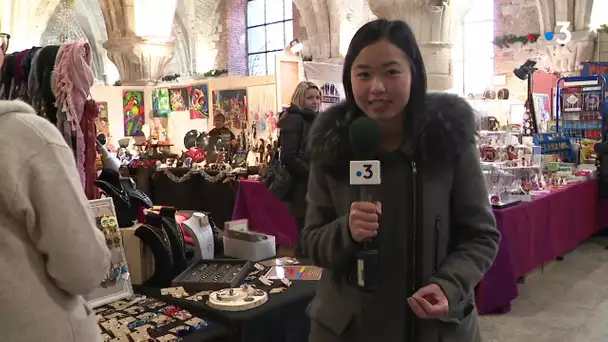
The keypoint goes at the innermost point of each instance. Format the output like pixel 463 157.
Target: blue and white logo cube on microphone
pixel 365 172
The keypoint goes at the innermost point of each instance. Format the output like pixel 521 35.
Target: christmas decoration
pixel 507 40
pixel 603 28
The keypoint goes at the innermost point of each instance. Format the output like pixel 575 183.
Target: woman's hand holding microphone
pixel 363 220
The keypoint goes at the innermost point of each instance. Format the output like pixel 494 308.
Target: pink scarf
pixel 72 82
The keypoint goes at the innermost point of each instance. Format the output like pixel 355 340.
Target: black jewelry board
pixel 213 274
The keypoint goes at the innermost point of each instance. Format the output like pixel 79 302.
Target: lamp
pixel 526 72
pixel 295 46
pixel 4 40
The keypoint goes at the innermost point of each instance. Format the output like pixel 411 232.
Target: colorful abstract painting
pixel 160 103
pixel 178 98
pixel 133 110
pixel 262 101
pixel 199 102
pixel 102 122
pixel 233 104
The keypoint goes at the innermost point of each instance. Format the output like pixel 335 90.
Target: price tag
pixel 364 172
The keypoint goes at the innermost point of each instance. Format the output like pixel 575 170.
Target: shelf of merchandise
pixel 579 105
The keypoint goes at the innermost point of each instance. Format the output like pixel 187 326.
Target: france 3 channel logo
pixel 363 172
pixel 564 32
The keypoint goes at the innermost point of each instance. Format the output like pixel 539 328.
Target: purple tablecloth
pixel 266 213
pixel 535 233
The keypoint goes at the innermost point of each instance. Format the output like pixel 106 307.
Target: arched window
pixel 269 30
pixel 473 50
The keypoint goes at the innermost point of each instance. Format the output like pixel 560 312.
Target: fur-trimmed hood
pixel 440 131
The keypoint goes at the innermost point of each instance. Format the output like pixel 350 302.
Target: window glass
pixel 257 64
pixel 288 5
pixel 255 12
pixel 275 37
pixel 481 10
pixel 271 63
pixel 288 32
pixel 473 50
pixel 274 13
pixel 477 39
pixel 478 75
pixel 598 13
pixel 256 39
pixel 269 30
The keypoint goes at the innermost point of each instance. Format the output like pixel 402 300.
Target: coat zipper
pixel 436 244
pixel 413 324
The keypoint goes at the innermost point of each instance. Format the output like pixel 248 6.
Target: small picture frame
pixel 117 284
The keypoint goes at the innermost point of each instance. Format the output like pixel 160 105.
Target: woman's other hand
pixel 363 220
pixel 429 302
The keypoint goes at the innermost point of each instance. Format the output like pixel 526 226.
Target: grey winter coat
pixel 449 236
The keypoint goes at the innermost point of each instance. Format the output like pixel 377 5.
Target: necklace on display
pixel 162 237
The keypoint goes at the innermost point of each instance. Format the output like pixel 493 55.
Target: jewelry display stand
pixel 213 275
pixel 117 284
pixel 237 299
pixel 200 230
pixel 126 198
pixel 166 220
pixel 155 238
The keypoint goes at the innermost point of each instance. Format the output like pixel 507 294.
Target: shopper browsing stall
pixel 436 237
pixel 51 253
pixel 294 124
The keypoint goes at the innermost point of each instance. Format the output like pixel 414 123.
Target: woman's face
pixel 381 79
pixel 312 99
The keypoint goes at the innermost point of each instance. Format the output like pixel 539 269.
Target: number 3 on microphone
pixel 363 172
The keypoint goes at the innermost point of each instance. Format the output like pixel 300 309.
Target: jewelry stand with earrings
pixel 117 283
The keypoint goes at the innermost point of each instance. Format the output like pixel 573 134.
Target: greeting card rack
pixel 579 107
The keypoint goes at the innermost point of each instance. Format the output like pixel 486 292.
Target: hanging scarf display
pixel 71 82
pixel 56 81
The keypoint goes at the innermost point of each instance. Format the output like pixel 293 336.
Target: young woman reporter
pixel 433 224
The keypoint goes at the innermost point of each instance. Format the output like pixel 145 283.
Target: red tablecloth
pixel 536 233
pixel 266 213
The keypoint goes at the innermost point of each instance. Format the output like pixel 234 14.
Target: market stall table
pixel 266 213
pixel 535 233
pixel 281 319
pixel 193 192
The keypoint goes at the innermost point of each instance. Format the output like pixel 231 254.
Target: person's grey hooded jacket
pixel 436 227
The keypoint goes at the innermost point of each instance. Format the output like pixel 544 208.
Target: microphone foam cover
pixel 364 136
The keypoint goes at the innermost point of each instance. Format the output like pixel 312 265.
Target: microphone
pixel 364 136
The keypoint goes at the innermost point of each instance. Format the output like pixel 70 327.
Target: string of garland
pixel 215 73
pixel 510 39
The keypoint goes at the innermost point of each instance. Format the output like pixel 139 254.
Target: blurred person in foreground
pixel 52 254
pixel 432 225
pixel 294 124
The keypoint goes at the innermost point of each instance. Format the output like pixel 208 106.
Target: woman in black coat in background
pixel 294 125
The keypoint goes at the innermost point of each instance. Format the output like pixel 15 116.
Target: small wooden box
pixel 139 257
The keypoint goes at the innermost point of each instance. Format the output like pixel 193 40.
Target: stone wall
pixel 232 45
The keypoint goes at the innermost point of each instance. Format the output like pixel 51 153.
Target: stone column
pixel 434 23
pixel 139 57
pixel 565 59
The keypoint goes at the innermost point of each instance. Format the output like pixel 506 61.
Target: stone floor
pixel 565 302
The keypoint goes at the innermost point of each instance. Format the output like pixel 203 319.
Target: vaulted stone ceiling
pixel 329 25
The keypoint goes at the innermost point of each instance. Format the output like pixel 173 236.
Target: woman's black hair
pixel 399 34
